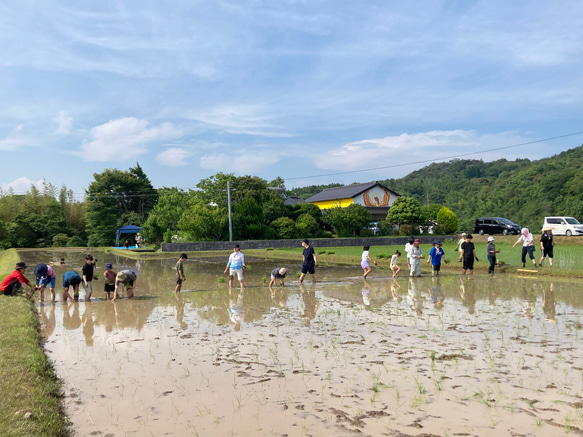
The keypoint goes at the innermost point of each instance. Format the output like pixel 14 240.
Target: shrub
pixel 405 230
pixel 60 240
pixel 76 242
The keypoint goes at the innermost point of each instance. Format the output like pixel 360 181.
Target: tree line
pixel 442 197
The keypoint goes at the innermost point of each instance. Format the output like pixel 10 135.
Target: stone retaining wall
pixel 283 244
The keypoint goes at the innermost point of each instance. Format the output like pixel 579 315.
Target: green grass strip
pixel 29 389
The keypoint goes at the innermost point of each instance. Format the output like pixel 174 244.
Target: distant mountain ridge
pixel 523 191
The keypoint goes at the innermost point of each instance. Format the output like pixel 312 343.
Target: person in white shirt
pixel 235 266
pixel 527 246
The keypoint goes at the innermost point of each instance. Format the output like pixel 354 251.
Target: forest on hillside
pixel 522 191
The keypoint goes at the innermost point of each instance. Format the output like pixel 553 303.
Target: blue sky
pixel 286 88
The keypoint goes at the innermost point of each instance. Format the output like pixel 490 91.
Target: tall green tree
pixel 348 221
pixel 404 210
pixel 162 222
pixel 117 198
pixel 203 222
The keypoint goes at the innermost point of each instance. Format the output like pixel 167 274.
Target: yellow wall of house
pixel 327 204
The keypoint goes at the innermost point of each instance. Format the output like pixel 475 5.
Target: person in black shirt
pixel 310 261
pixel 468 254
pixel 546 245
pixel 88 276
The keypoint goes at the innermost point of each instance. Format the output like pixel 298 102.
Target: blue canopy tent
pixel 129 229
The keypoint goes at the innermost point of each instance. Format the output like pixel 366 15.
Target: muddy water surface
pixel 457 355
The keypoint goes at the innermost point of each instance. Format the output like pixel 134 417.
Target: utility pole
pixel 229 208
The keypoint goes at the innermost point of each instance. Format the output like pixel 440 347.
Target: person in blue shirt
pixel 435 255
pixel 73 279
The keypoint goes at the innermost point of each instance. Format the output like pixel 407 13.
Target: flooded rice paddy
pixel 472 356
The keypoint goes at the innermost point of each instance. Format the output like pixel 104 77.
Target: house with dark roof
pixel 376 198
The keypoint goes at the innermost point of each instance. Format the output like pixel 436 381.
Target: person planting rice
pixel 126 278
pixel 12 283
pixel 45 275
pixel 71 279
pixel 364 263
pixel 278 273
pixel 109 280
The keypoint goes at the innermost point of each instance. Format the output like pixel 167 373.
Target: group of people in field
pixel 45 276
pixel 126 279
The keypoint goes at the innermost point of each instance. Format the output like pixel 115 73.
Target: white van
pixel 564 226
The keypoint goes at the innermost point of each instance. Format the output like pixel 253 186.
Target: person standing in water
pixel 546 245
pixel 310 261
pixel 364 263
pixel 491 251
pixel 527 246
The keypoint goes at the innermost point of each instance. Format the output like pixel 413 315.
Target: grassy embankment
pixel 29 388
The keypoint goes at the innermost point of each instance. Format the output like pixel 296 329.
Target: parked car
pixel 495 225
pixel 374 227
pixel 564 225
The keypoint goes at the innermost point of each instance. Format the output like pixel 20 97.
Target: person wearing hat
pixel 435 255
pixel 15 280
pixel 459 243
pixel 71 279
pixel 45 275
pixel 414 256
pixel 127 278
pixel 278 273
pixel 109 280
pixel 491 252
pixel 546 245
pixel 235 266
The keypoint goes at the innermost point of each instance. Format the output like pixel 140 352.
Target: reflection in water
pixel 436 293
pixel 549 302
pixel 87 320
pixel 71 318
pixel 394 289
pixel 180 304
pixel 236 309
pixel 274 356
pixel 414 298
pixel 468 293
pixel 310 303
pixel 48 323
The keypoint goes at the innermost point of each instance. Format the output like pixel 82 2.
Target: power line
pixel 434 160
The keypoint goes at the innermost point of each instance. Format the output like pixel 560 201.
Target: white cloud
pixel 248 163
pixel 22 185
pixel 239 119
pixel 125 138
pixel 420 147
pixel 17 140
pixel 65 123
pixel 174 157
